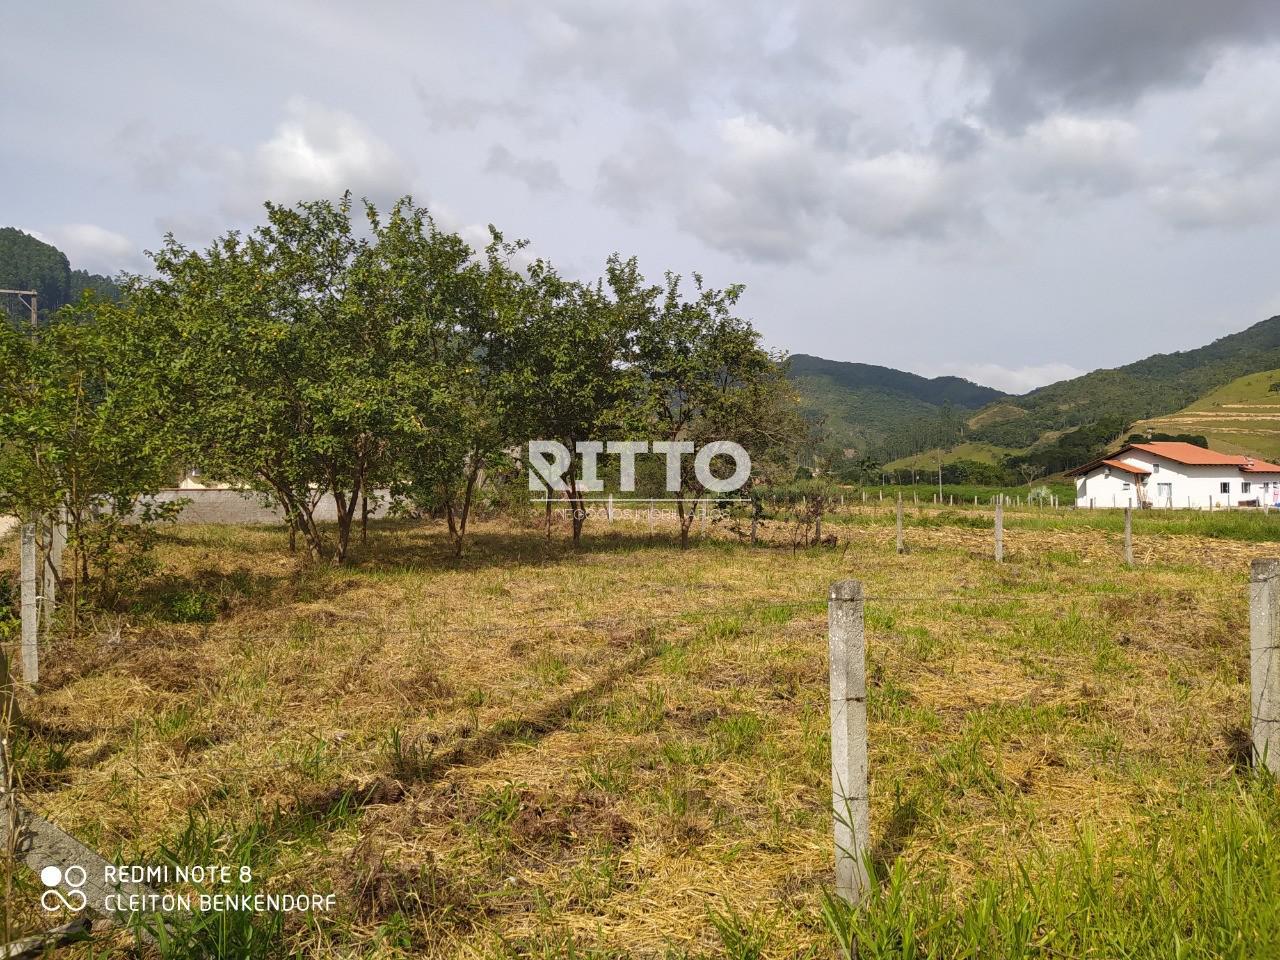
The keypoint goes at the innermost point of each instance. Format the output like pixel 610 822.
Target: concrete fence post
pixel 651 518
pixel 902 547
pixel 1128 536
pixel 850 796
pixel 999 530
pixel 54 545
pixel 30 607
pixel 608 509
pixel 1264 660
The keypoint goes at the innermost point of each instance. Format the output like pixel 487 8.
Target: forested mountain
pixel 881 411
pixel 888 414
pixel 1158 385
pixel 30 264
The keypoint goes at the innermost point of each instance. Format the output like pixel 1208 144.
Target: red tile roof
pixel 1199 456
pixel 1126 467
pixel 1178 452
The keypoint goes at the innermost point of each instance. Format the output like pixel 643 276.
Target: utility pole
pixel 35 298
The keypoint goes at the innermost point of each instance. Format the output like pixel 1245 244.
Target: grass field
pixel 623 751
pixel 961 494
pixel 981 452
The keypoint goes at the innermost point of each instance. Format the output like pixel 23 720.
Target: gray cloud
pixel 1062 54
pixel 946 164
pixel 536 173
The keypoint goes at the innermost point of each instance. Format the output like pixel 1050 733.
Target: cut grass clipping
pixel 623 751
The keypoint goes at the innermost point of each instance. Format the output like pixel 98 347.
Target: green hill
pixel 883 411
pixel 1150 388
pixel 1241 417
pixel 30 264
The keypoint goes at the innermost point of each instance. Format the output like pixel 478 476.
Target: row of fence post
pixel 847 659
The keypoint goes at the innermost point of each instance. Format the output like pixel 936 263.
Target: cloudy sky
pixel 1011 191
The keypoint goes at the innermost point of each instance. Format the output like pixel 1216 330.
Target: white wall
pixel 1194 486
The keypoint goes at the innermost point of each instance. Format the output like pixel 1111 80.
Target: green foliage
pixel 287 354
pixel 191 606
pixel 1158 385
pixel 30 264
pixel 1201 884
pixel 883 412
pixel 1071 449
pixel 80 429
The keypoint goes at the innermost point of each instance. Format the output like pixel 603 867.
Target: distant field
pixel 961 493
pixel 623 752
pixel 982 452
pixel 1241 417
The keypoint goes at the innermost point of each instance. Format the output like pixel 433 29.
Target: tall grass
pixel 1203 881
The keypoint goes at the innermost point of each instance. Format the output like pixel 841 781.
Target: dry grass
pixel 536 752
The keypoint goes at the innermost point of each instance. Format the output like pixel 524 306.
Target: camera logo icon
pixel 54 899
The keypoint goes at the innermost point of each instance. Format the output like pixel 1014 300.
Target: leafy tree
pixel 704 374
pixel 454 316
pixel 569 363
pixel 279 360
pixel 81 426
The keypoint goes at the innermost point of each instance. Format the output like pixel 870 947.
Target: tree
pixel 456 317
pixel 279 359
pixel 704 375
pixel 570 364
pixel 81 424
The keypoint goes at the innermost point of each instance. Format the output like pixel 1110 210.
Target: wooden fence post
pixel 999 530
pixel 902 547
pixel 1264 660
pixel 30 607
pixel 850 800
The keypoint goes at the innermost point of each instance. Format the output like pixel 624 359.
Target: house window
pixel 1155 468
pixel 1164 491
pixel 1124 486
pixel 1245 486
pixel 1224 487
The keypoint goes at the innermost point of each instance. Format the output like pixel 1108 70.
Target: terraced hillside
pixel 1241 417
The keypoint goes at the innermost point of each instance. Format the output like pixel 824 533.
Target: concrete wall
pixel 235 507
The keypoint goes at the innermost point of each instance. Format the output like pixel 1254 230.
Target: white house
pixel 1166 474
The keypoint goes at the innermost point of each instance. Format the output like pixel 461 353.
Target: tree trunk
pixel 364 519
pixel 686 521
pixel 346 519
pixel 577 511
pixel 461 533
